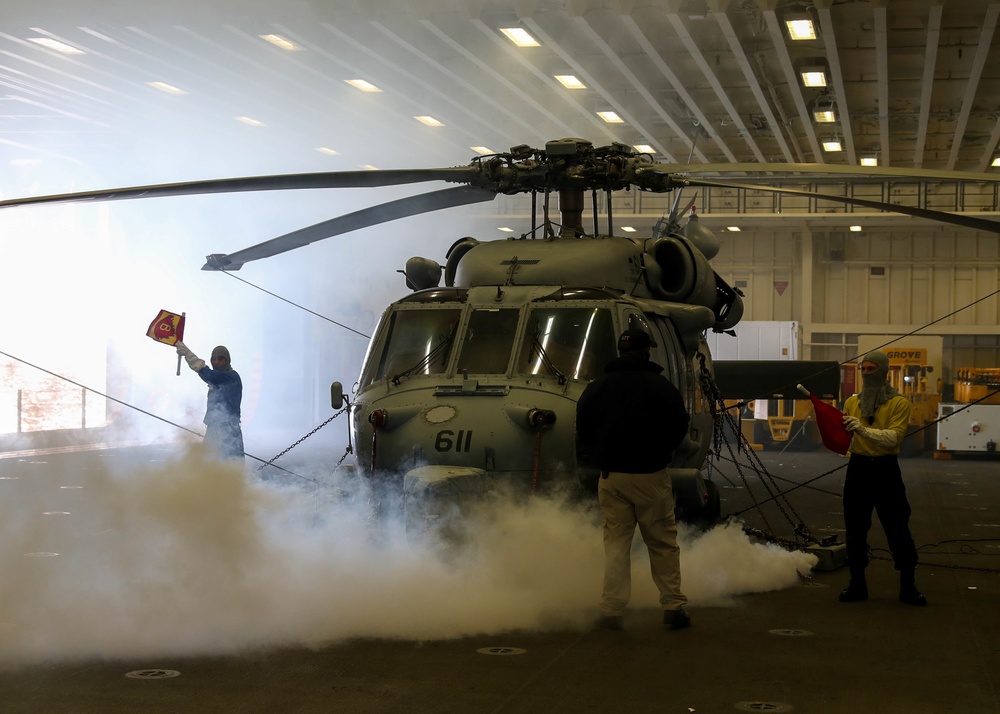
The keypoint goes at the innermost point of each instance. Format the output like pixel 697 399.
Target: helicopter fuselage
pixel 467 387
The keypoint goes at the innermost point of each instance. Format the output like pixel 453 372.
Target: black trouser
pixel 875 483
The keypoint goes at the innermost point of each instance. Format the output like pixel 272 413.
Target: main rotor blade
pixel 278 182
pixel 979 224
pixel 383 213
pixel 874 172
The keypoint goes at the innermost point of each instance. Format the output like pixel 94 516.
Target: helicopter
pixel 471 380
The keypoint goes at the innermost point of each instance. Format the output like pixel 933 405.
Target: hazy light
pixel 570 82
pixel 644 149
pixel 429 121
pixel 628 229
pixel 279 41
pixel 362 85
pixel 57 45
pixel 505 229
pixel 519 37
pixel 870 161
pixel 825 117
pixel 814 78
pixel 484 150
pixel 168 88
pixel 328 152
pixel 801 29
pixel 996 162
pixel 832 146
pixel 611 117
pixel 733 229
pixel 249 121
pixel 855 229
pixel 369 167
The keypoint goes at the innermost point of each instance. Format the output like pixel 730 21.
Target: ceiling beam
pixel 702 121
pixel 927 83
pixel 833 58
pixel 975 74
pixel 612 56
pixel 718 9
pixel 556 89
pixel 794 86
pixel 706 70
pixel 592 84
pixel 882 77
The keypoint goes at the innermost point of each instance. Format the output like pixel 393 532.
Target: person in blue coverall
pixel 225 395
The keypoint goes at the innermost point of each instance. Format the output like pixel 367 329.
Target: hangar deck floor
pixel 795 649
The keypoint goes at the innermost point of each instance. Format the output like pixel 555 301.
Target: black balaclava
pixel 875 390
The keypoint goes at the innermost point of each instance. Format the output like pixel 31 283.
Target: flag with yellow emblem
pixel 168 328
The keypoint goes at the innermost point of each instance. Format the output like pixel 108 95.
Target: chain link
pixel 275 458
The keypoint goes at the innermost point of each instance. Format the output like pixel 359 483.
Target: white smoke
pixel 192 556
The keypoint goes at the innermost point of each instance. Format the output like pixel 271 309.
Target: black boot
pixel 857 588
pixel 908 592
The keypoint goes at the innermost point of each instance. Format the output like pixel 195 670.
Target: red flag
pixel 830 422
pixel 168 327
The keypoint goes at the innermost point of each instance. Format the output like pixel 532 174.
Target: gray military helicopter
pixel 474 383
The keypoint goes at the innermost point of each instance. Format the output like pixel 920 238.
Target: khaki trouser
pixel 646 499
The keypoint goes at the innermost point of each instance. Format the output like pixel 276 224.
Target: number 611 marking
pixel 461 441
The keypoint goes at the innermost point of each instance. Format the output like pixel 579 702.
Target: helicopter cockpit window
pixel 574 343
pixel 417 342
pixel 488 341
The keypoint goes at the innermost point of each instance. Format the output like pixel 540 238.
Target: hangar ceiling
pixel 141 92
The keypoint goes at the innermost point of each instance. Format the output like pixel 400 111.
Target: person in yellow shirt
pixel 877 418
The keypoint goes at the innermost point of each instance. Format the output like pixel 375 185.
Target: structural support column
pixel 805 281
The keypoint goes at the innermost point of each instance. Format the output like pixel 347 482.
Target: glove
pixel 888 438
pixel 851 423
pixel 193 361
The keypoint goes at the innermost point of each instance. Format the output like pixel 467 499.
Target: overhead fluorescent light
pixel 362 85
pixel 733 229
pixel 505 229
pixel 484 150
pixel 644 149
pixel 996 162
pixel 814 77
pixel 825 117
pixel 279 41
pixel 429 121
pixel 855 229
pixel 56 45
pixel 168 88
pixel 611 117
pixel 628 229
pixel 328 152
pixel 519 37
pixel 869 161
pixel 800 28
pixel 249 121
pixel 570 82
pixel 832 145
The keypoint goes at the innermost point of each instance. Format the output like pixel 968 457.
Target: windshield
pixel 416 342
pixel 488 341
pixel 574 343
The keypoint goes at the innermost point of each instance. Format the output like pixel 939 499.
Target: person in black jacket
pixel 629 421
